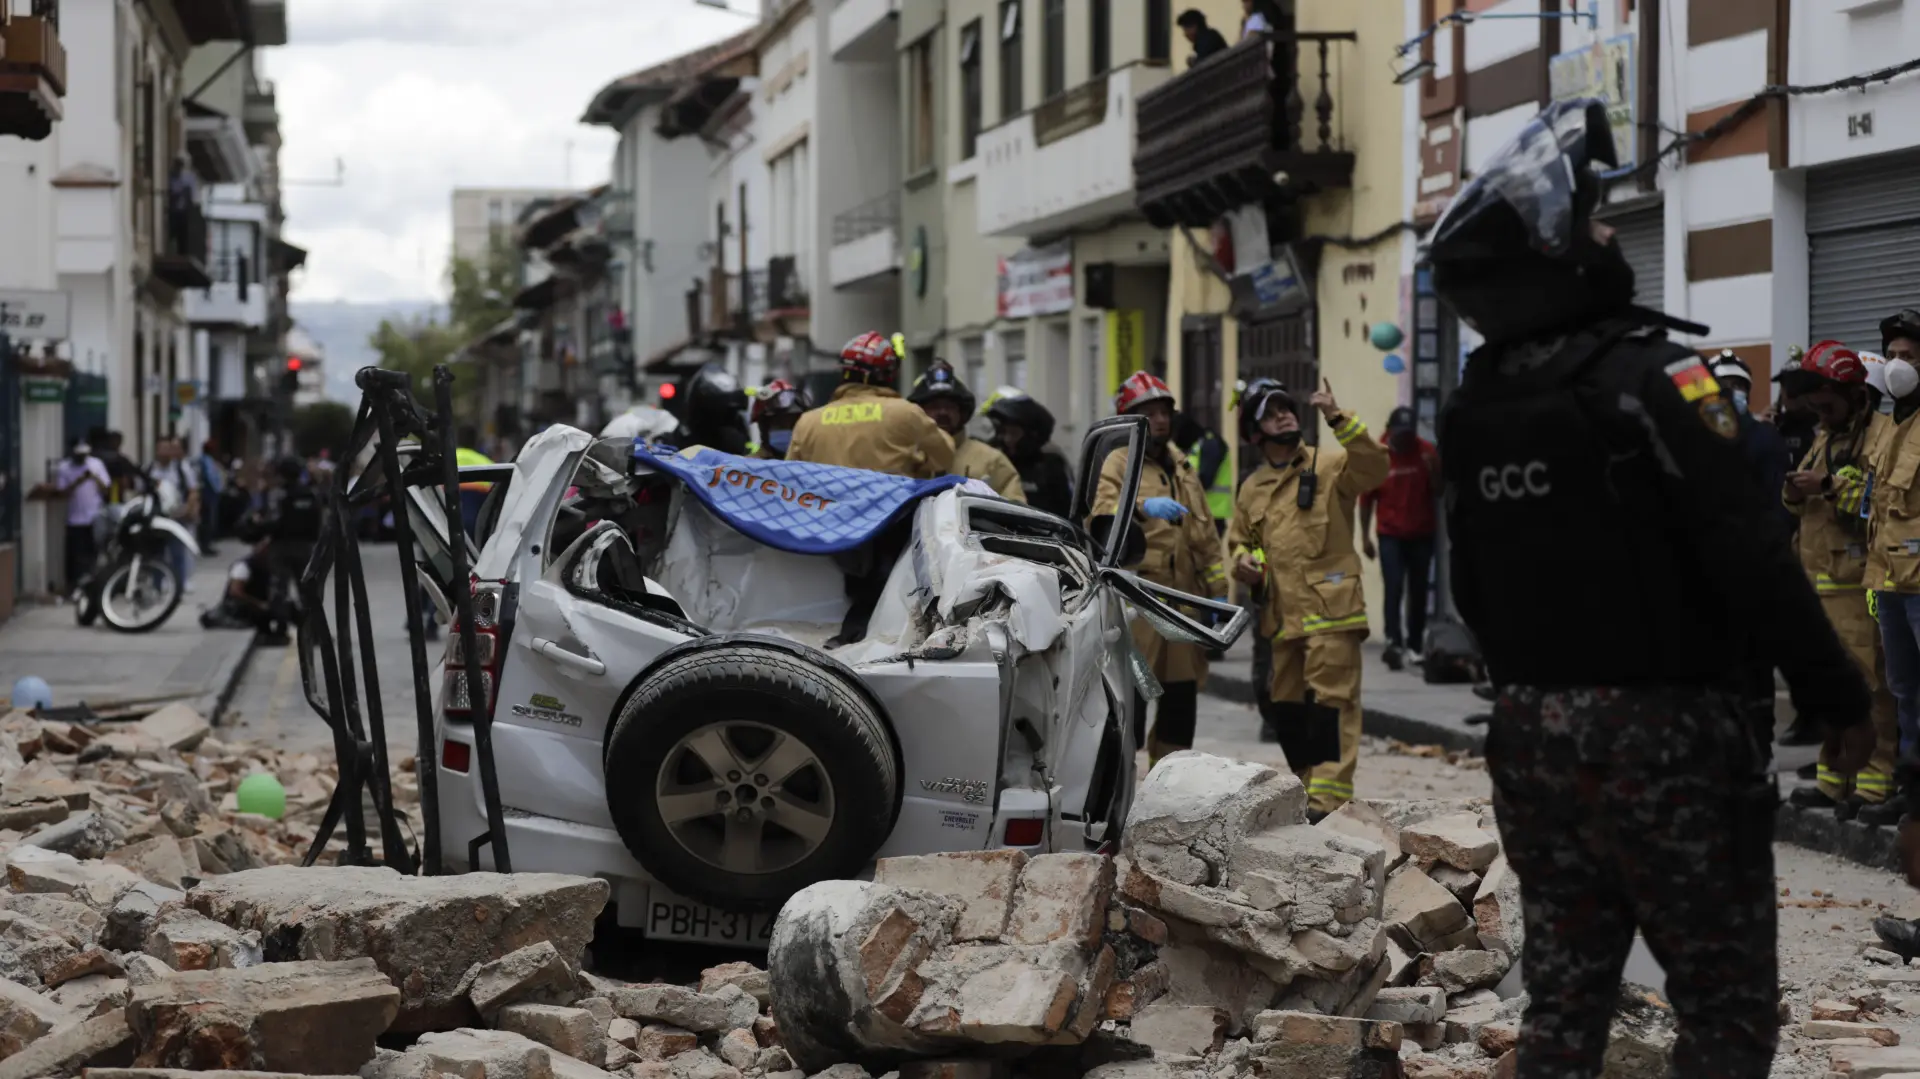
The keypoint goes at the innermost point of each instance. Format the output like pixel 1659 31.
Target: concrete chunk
pixel 185 940
pixel 1062 897
pixel 36 869
pixel 1359 818
pixel 1496 909
pixel 178 1073
pixel 289 1017
pixel 158 859
pixel 84 835
pixel 104 1040
pixel 573 1031
pixel 177 726
pixel 498 1054
pixel 1016 1002
pixel 749 978
pixel 26 1016
pixel 426 933
pixel 1460 971
pixel 534 974
pixel 1180 1030
pixel 674 1006
pixel 1408 1006
pixel 1426 910
pixel 983 881
pixel 1455 839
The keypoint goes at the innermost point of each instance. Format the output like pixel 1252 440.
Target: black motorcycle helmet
pixel 1515 255
pixel 940 381
pixel 1253 404
pixel 714 397
pixel 1012 406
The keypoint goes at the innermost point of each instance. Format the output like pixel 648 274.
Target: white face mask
pixel 1902 379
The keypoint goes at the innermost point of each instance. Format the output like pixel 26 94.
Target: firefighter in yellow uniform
pixel 1183 552
pixel 947 402
pixel 1825 492
pixel 867 425
pixel 1292 535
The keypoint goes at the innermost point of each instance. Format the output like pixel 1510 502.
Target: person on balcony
pixel 183 191
pixel 1260 18
pixel 1205 39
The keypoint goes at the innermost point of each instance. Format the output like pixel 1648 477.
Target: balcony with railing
pixel 236 297
pixel 33 70
pixel 261 113
pixel 182 261
pixel 787 296
pixel 1265 113
pixel 862 30
pixel 1067 162
pixel 866 243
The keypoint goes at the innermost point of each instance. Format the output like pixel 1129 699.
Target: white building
pixel 482 215
pixel 661 250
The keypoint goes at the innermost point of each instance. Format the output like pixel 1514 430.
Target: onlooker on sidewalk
pixel 1408 522
pixel 179 494
pixel 1205 39
pixel 82 480
pixel 248 600
pixel 213 484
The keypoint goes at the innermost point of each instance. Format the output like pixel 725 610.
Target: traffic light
pixel 290 378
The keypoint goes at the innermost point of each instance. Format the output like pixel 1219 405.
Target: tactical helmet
pixel 1259 394
pixel 940 381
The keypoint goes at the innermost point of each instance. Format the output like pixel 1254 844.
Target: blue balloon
pixel 30 693
pixel 1394 364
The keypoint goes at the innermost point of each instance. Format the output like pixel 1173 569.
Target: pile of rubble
pixel 157 795
pixel 1230 937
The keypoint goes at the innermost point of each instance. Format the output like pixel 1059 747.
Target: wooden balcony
pixel 1245 124
pixel 33 72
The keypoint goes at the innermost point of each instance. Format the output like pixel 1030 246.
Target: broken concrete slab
pixel 535 974
pixel 1496 909
pixel 38 870
pixel 1016 1002
pixel 1409 1006
pixel 1360 819
pixel 26 1016
pixel 159 860
pixel 1831 1029
pixel 1061 897
pixel 1417 904
pixel 1302 1045
pixel 76 921
pixel 1462 970
pixel 133 914
pixel 178 1073
pixel 1454 839
pixel 1462 884
pixel 96 994
pixel 749 978
pixel 177 726
pixel 289 1017
pixel 29 950
pixel 186 940
pixel 678 1006
pixel 738 1049
pixel 425 932
pixel 572 1031
pixel 105 1039
pixel 1192 803
pixel 982 881
pixel 660 1041
pixel 496 1054
pixel 1180 1029
pixel 84 835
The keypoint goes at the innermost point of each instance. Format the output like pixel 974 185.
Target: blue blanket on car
pixel 794 506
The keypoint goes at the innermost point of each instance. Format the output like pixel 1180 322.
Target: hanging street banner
pixel 1037 281
pixel 1605 70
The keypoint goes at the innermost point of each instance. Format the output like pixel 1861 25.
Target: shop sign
pixel 43 389
pixel 35 315
pixel 1037 281
pixel 1603 70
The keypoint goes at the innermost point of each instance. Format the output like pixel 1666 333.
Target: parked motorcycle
pixel 133 588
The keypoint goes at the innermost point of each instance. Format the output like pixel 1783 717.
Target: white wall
pixel 1833 39
pixel 666 176
pixel 856 159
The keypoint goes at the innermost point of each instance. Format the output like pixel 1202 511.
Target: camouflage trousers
pixel 1648 809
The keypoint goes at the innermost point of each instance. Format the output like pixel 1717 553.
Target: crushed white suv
pixel 666 712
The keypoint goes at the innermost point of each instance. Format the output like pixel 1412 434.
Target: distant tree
pixel 480 297
pixel 324 425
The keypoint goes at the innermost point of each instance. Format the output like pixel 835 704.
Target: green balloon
pixel 261 793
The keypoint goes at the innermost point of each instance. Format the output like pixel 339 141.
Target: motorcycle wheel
pixel 86 608
pixel 140 605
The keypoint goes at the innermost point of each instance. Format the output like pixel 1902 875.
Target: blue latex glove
pixel 1164 509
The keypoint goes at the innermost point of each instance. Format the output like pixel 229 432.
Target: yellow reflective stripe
pixel 1328 786
pixel 1350 430
pixel 1216 572
pixel 1868 782
pixel 1260 556
pixel 1824 584
pixel 1313 623
pixel 1828 775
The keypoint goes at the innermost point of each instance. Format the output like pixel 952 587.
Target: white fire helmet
pixel 1876 366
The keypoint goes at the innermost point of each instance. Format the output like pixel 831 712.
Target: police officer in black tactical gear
pixel 715 412
pixel 290 521
pixel 1616 561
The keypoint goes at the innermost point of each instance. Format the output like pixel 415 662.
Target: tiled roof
pixel 668 75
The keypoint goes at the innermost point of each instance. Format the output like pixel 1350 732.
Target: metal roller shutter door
pixel 1863 233
pixel 1643 239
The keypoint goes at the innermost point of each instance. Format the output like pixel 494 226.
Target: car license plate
pixel 672 917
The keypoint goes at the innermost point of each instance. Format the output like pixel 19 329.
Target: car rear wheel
pixel 738 775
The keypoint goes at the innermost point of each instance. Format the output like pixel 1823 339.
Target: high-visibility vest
pixel 465 457
pixel 1219 492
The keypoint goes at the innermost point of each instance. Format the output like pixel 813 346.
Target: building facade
pixel 483 216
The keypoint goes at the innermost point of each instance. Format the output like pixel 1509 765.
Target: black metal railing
pixel 874 215
pixel 1216 136
pixel 48 10
pixel 187 233
pixel 233 268
pixel 754 295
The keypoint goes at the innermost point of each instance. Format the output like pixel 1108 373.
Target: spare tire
pixel 740 773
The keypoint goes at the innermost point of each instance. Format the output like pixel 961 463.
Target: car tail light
pixel 486 659
pixel 455 756
pixel 1025 832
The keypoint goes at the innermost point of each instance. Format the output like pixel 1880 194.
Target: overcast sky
pixel 420 96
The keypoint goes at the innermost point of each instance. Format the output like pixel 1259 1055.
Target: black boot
pixel 1898 934
pixel 1809 771
pixel 1812 798
pixel 1800 733
pixel 1880 814
pixel 1392 658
